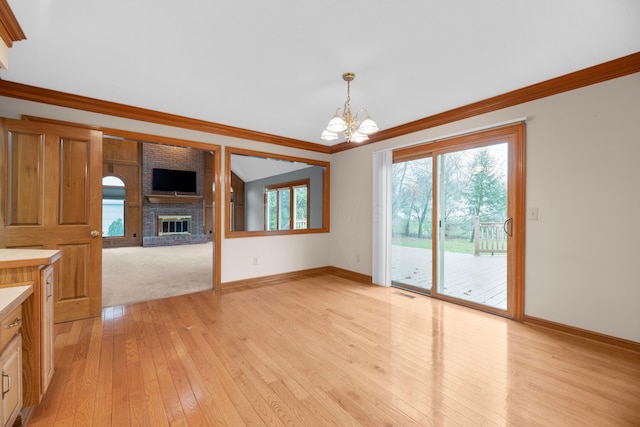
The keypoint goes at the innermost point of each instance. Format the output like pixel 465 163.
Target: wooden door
pixel 51 199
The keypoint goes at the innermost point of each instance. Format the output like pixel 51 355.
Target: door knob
pixel 95 233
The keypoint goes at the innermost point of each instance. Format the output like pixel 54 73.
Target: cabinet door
pixel 47 327
pixel 11 364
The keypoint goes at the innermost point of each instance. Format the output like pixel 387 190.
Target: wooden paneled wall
pixel 209 172
pixel 237 186
pixel 122 159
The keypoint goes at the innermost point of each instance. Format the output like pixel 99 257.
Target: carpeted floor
pixel 142 274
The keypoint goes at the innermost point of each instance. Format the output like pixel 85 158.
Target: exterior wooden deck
pixel 481 279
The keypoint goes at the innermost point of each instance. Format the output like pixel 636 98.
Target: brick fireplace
pixel 169 219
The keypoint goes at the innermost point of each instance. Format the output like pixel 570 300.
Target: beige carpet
pixel 142 274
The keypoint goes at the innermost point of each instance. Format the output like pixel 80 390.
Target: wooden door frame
pixel 157 139
pixel 216 150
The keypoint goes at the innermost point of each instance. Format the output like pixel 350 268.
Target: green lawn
pixel 462 246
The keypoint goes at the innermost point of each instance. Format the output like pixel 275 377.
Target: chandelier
pixel 344 121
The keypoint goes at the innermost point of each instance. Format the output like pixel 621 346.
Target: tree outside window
pixel 113 195
pixel 287 206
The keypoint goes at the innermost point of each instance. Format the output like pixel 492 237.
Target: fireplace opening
pixel 174 224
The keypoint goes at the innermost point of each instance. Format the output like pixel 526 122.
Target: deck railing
pixel 489 237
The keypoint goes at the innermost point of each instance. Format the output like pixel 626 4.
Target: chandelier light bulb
pixel 327 135
pixel 359 137
pixel 337 124
pixel 368 126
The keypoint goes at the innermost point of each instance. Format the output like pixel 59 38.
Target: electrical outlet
pixel 532 213
pixel 357 257
pixel 255 260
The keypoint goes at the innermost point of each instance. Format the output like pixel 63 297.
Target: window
pixel 112 207
pixel 287 206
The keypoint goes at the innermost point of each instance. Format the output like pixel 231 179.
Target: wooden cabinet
pixel 33 269
pixel 11 367
pixel 12 323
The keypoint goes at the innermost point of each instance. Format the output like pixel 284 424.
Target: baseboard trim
pixel 351 275
pixel 24 416
pixel 292 275
pixel 263 280
pixel 583 333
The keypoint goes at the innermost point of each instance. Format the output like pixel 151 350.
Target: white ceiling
pixel 250 168
pixel 276 66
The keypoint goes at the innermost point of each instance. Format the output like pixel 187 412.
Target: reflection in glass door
pixel 412 213
pixel 473 225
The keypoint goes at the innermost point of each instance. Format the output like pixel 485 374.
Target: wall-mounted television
pixel 174 180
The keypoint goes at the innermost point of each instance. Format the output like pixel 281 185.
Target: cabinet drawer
pixel 10 326
pixel 11 366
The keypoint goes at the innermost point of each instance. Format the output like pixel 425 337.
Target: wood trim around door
pixel 144 137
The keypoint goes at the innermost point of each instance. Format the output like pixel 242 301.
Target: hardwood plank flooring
pixel 326 351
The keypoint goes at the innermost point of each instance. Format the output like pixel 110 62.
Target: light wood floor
pixel 325 351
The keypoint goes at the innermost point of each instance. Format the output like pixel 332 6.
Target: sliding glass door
pixel 472 219
pixel 412 222
pixel 458 220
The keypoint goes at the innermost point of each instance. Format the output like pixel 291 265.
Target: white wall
pixel 275 254
pixel 582 262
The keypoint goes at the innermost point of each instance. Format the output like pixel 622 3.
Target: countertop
pixel 15 258
pixel 12 297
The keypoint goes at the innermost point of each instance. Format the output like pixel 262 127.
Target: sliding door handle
pixel 508 226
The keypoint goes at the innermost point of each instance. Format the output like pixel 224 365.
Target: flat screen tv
pixel 174 180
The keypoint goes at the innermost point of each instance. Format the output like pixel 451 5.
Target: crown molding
pixel 119 133
pixel 78 102
pixel 609 70
pixel 10 30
